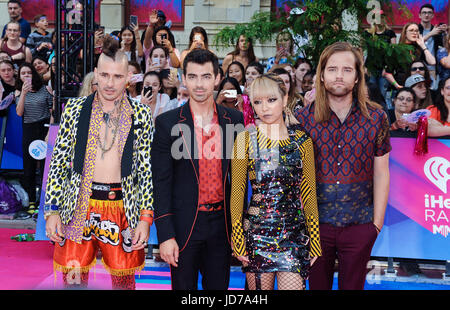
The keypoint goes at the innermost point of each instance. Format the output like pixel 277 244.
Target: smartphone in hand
pixel 230 93
pixel 133 20
pixel 136 78
pixel 148 91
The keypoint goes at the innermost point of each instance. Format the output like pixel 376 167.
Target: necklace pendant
pixel 106 117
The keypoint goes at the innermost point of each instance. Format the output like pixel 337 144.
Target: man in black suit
pixel 191 178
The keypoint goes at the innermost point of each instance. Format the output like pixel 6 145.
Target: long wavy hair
pixel 250 51
pixel 133 43
pixel 322 110
pixel 198 30
pixel 36 79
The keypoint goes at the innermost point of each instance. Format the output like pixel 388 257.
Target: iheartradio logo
pixel 437 171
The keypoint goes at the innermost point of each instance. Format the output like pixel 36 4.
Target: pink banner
pixel 419 184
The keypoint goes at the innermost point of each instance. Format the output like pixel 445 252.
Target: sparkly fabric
pixel 274 228
pixel 123 282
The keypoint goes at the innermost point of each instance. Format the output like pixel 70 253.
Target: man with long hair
pixel 351 141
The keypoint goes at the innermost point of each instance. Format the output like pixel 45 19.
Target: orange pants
pixel 106 230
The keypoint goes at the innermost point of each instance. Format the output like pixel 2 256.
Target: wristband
pixel 147 216
pixel 148 219
pixel 48 208
pixel 50 213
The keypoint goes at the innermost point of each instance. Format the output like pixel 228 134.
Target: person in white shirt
pixel 151 94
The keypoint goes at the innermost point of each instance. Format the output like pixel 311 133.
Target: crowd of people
pixel 286 90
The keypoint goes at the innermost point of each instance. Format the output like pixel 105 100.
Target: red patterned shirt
pixel 209 144
pixel 345 154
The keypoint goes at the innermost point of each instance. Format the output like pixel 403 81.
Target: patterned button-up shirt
pixel 209 145
pixel 345 154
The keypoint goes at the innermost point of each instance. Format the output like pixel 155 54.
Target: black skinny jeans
pixel 31 132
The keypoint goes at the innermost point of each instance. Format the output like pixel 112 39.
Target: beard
pixel 338 90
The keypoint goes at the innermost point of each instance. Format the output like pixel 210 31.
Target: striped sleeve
pixel 239 168
pixel 309 197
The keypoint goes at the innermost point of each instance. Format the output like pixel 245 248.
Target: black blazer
pixel 175 170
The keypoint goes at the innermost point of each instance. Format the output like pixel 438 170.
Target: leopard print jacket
pixel 65 174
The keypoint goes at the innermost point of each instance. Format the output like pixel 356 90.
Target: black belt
pixel 101 191
pixel 211 206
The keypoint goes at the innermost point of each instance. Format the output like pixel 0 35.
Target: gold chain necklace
pixel 110 123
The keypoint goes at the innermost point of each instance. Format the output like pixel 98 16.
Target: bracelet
pixel 424 49
pixel 50 213
pixel 49 208
pixel 147 219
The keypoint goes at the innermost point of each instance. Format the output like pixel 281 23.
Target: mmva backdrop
pixel 417 217
pixel 417 224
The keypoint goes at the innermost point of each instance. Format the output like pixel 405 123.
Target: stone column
pixel 112 14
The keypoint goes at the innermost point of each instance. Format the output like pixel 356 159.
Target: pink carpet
pixel 24 265
pixel 29 266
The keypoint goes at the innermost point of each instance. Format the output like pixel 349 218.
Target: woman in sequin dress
pixel 278 235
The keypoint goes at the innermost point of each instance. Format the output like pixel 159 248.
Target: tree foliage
pixel 322 23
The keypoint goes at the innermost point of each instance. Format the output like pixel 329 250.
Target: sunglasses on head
pixel 418 69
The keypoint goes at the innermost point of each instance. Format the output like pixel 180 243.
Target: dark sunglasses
pixel 418 69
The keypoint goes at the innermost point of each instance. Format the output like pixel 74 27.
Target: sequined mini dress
pixel 279 229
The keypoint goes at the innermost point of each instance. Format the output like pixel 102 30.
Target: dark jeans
pixel 31 132
pixel 207 251
pixel 352 246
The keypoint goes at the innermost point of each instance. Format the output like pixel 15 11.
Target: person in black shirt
pixel 383 32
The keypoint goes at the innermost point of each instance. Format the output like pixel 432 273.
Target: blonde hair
pixel 269 84
pixel 293 96
pixel 86 87
pixel 322 110
pixel 266 85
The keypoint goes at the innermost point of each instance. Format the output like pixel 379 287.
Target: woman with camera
pixel 151 94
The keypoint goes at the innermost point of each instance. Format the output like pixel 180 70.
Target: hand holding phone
pixel 147 96
pixel 136 78
pixel 230 93
pixel 148 90
pixel 174 73
pixel 156 61
pixel 133 20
